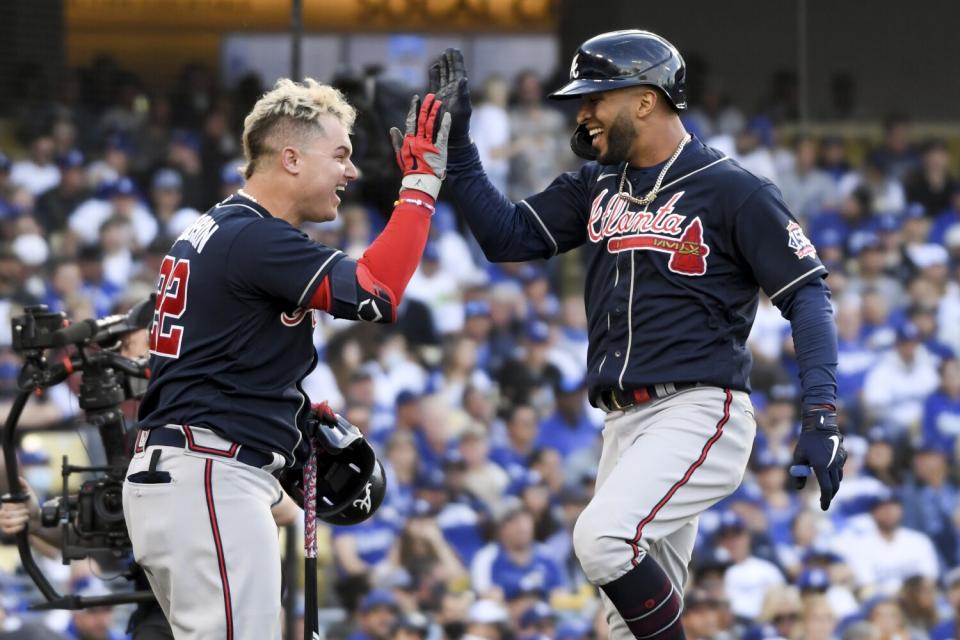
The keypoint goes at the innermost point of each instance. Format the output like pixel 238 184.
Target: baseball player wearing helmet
pixel 231 341
pixel 679 242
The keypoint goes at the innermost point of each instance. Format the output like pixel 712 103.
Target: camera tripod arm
pixel 137 368
pixel 13 479
pixel 9 446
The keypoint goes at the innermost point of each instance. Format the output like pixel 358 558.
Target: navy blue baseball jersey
pixel 672 288
pixel 232 337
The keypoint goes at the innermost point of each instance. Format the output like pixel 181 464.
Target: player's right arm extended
pixel 541 226
pixel 538 227
pixel 371 288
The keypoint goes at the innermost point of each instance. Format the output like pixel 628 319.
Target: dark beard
pixel 620 138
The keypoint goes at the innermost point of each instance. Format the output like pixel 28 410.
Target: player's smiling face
pixel 609 120
pixel 327 170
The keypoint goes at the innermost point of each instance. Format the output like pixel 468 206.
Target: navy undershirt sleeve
pixel 506 231
pixel 810 314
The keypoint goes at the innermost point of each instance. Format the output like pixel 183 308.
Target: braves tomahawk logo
pixel 365 503
pixel 661 230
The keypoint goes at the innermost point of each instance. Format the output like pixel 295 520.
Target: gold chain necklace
pixel 652 195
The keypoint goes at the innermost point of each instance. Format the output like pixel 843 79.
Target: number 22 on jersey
pixel 165 337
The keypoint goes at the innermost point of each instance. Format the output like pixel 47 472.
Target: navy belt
pixel 615 399
pixel 173 437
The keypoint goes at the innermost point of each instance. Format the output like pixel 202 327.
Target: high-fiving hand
pixel 422 151
pixel 448 80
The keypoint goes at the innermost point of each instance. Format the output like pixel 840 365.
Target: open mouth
pixel 595 134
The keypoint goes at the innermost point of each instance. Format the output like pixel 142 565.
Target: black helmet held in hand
pixel 627 58
pixel 350 480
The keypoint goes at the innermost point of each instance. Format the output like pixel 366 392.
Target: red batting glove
pixel 422 152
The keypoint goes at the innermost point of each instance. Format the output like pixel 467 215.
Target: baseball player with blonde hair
pixel 232 340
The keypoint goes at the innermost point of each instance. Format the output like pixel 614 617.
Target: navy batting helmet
pixel 627 59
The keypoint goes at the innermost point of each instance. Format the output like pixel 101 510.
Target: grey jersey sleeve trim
pixel 695 171
pixel 787 286
pixel 556 247
pixel 315 276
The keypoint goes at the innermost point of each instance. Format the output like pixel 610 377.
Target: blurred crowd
pixel 476 400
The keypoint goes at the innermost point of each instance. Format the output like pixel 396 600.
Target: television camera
pixel 91 520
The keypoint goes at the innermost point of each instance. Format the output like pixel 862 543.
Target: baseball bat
pixel 311 624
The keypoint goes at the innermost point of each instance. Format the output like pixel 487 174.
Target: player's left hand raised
pixel 448 80
pixel 820 447
pixel 422 150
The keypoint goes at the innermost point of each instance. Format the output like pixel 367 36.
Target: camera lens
pixel 108 503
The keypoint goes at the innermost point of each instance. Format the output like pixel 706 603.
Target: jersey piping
pixel 787 286
pixel 238 204
pixel 556 247
pixel 306 289
pixel 626 357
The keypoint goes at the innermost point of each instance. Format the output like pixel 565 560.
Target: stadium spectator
pixel 515 564
pixel 918 601
pixel 807 189
pixel 950 628
pixel 166 196
pixel 748 578
pixel 38 172
pixel 482 477
pixel 531 378
pixel 490 124
pixel 941 410
pixel 884 553
pixel 570 428
pixel 885 192
pixel 898 385
pixel 930 498
pixel 486 620
pixel 54 205
pixel 522 434
pixel 538 133
pixel 120 198
pixel 701 618
pixel 886 618
pixel 439 290
pixel 411 626
pixel 780 615
pixel 933 185
pixel 376 616
pixel 423 551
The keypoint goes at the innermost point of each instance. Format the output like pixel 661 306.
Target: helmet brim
pixel 583 86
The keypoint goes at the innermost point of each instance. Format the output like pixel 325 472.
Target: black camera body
pixel 36 329
pixel 92 520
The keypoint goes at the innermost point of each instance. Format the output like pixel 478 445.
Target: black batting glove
pixel 820 448
pixel 448 81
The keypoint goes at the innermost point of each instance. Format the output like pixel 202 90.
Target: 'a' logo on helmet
pixel 365 502
pixel 574 72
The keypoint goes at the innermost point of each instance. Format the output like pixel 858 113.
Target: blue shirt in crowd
pixel 557 433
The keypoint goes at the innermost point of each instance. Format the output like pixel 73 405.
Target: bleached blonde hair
pixel 287 113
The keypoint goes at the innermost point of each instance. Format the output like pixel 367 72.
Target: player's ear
pixel 291 160
pixel 645 101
